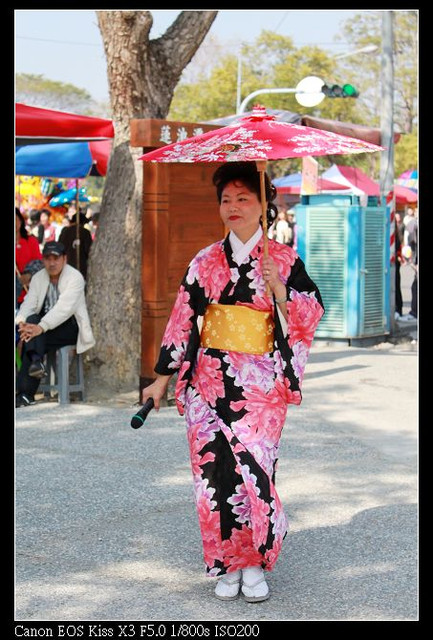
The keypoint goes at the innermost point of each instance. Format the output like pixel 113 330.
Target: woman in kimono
pixel 239 353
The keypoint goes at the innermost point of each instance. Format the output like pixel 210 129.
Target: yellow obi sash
pixel 237 328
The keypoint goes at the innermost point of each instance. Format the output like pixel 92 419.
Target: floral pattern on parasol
pixel 259 137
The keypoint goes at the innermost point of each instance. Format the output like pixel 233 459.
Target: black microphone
pixel 138 419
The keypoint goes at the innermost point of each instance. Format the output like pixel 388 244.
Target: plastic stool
pixel 57 365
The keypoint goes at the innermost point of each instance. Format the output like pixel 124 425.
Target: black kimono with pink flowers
pixel 235 404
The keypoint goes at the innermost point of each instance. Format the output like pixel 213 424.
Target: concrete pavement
pixel 106 528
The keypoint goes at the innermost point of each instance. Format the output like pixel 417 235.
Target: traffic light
pixel 335 91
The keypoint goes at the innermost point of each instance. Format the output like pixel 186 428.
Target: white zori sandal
pixel 254 585
pixel 228 586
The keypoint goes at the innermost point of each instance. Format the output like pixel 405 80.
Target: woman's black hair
pixel 35 216
pixel 246 172
pixel 23 230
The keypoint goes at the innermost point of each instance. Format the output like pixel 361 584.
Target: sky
pixel 66 45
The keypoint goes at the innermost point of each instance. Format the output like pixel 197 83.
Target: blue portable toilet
pixel 346 250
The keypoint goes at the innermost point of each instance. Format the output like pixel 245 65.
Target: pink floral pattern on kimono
pixel 235 403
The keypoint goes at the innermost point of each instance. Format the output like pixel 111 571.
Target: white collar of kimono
pixel 240 250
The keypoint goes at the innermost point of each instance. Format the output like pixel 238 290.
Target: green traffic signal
pixel 336 91
pixel 349 91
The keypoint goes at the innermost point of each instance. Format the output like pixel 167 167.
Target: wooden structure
pixel 180 216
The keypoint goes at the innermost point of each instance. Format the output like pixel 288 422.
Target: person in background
pixel 410 252
pixel 283 232
pixel 63 224
pixel 410 222
pixel 399 230
pixel 94 224
pixel 292 225
pixel 239 336
pixel 46 229
pixel 33 223
pixel 71 240
pixel 93 219
pixel 26 251
pixel 53 314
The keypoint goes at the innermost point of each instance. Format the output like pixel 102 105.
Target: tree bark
pixel 142 75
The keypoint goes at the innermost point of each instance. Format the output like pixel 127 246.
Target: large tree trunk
pixel 142 76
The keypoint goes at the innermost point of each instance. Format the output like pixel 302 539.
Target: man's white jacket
pixel 71 302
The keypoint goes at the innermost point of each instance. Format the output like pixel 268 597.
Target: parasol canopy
pixel 259 137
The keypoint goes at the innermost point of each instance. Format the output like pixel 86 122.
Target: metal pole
pixel 239 82
pixel 387 134
pixel 260 91
pixel 369 48
pixel 77 217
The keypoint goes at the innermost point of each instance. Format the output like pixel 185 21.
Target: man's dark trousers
pixel 51 340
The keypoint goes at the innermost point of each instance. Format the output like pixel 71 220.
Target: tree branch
pixel 177 46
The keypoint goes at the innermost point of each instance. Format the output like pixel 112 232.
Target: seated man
pixel 52 315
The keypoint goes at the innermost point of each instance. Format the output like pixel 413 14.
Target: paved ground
pixel 106 528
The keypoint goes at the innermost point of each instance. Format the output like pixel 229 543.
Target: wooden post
pixel 180 216
pixel 154 267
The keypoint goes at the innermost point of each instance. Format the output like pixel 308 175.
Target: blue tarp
pixel 291 180
pixel 67 160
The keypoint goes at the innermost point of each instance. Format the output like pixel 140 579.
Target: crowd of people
pixel 44 226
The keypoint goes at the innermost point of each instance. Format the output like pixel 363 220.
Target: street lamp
pixel 307 92
pixel 369 48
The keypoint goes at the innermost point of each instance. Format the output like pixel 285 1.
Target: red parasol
pixel 259 137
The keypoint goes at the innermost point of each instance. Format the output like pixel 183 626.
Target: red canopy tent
pixel 100 151
pixel 403 195
pixel 322 185
pixel 359 183
pixel 34 125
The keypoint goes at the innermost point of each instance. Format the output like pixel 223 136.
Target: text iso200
pixel 237 630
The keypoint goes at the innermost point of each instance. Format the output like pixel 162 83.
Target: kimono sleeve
pixel 304 305
pixel 181 332
pixel 304 311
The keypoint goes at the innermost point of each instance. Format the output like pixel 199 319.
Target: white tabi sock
pixel 254 585
pixel 228 586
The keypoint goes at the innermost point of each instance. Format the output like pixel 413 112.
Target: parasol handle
pixel 261 168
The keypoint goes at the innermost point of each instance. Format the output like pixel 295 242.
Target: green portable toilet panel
pixel 345 248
